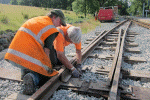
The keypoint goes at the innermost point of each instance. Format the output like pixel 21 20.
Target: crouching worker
pixel 28 50
pixel 69 34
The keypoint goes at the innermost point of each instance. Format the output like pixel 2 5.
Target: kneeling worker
pixel 69 34
pixel 28 49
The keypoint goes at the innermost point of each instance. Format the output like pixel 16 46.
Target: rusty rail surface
pixel 143 24
pixel 113 94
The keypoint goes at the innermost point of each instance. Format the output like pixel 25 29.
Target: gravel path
pixel 8 87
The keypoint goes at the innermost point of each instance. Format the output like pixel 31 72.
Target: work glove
pixel 76 73
pixel 79 67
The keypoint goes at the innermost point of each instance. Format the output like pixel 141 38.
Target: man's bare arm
pixel 79 56
pixel 61 56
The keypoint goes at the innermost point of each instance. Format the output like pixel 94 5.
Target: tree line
pixel 5 1
pixel 63 4
pixel 89 6
pixel 137 6
pixel 78 6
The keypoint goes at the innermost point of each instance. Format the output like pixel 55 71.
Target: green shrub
pixel 25 16
pixel 4 19
pixel 69 8
pixel 9 30
pixel 80 16
pixel 45 8
pixel 2 32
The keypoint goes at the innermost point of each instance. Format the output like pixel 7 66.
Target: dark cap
pixel 60 14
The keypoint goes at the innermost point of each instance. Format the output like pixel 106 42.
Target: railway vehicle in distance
pixel 108 13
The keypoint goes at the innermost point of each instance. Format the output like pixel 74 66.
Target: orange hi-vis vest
pixel 26 49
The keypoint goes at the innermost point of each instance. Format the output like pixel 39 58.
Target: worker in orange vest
pixel 31 46
pixel 69 34
pixel 96 16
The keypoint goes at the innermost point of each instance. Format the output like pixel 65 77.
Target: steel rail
pixel 143 24
pixel 113 94
pixel 111 73
pixel 46 91
pixel 90 47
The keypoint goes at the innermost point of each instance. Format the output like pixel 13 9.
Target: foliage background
pixel 13 16
pixel 79 6
pixel 136 7
pixel 86 6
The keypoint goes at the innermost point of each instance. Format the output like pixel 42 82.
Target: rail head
pixel 111 73
pixel 113 94
pixel 143 24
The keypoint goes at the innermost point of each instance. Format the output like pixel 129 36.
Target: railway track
pixel 116 41
pixel 143 24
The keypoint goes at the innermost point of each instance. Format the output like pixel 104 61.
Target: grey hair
pixel 74 33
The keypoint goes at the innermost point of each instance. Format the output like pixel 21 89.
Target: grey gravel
pixel 135 83
pixel 143 40
pixel 8 87
pixel 69 95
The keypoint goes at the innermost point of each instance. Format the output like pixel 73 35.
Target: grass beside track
pixel 13 16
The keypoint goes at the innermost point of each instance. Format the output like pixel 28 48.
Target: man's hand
pixel 79 67
pixel 76 73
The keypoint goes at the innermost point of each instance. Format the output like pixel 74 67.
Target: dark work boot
pixel 30 81
pixel 24 72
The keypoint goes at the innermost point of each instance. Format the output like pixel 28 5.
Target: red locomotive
pixel 107 14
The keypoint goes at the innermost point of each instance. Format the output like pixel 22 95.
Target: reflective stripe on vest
pixel 30 59
pixel 38 36
pixel 61 31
